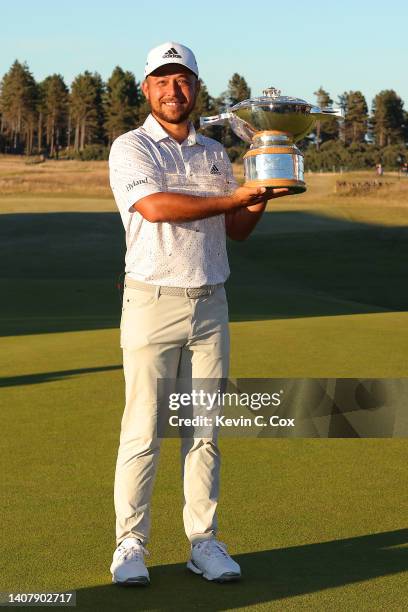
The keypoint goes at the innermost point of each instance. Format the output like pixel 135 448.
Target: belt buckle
pixel 196 292
pixel 191 292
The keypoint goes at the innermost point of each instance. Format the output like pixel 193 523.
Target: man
pixel 178 200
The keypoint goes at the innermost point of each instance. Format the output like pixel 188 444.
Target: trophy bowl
pixel 272 124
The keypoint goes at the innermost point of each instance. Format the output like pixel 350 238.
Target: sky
pixel 294 46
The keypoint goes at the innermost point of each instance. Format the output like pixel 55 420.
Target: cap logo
pixel 214 169
pixel 172 53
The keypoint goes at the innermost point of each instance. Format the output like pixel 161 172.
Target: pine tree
pixel 122 102
pixel 143 112
pixel 41 111
pixel 238 89
pixel 204 106
pixel 388 118
pixel 356 117
pixel 54 108
pixel 329 128
pixel 342 103
pixel 18 101
pixel 86 109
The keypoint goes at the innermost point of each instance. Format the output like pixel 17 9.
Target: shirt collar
pixel 157 132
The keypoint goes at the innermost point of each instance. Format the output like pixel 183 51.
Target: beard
pixel 170 115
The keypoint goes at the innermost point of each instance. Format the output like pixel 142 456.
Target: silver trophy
pixel 272 124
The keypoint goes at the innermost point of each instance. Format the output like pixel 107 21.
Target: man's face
pixel 171 92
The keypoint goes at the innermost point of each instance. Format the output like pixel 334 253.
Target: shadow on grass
pixel 58 271
pixel 33 379
pixel 269 576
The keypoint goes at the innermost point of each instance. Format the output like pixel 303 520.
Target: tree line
pixel 81 121
pixel 364 139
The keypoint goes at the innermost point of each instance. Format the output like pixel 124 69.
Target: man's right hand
pixel 175 207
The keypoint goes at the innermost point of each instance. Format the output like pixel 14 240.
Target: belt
pixel 190 292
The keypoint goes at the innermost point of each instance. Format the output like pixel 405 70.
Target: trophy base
pixel 293 185
pixel 275 166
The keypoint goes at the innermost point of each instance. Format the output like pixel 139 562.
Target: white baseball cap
pixel 170 53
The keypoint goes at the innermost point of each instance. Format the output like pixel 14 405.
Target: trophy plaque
pixel 272 124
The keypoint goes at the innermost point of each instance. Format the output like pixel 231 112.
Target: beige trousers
pixel 166 336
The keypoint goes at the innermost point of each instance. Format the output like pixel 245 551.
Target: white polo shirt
pixel 176 254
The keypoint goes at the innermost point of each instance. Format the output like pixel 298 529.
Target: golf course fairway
pixel 316 524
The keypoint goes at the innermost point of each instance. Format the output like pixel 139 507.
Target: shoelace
pixel 218 549
pixel 136 550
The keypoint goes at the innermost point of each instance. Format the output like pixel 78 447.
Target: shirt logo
pixel 172 53
pixel 130 186
pixel 214 169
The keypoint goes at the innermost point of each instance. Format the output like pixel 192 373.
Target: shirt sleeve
pixel 133 172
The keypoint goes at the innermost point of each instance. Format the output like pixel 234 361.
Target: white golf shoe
pixel 210 559
pixel 128 566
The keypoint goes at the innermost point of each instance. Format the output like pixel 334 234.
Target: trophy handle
pixel 322 113
pixel 214 120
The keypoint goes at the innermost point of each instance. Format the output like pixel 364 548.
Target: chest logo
pixel 214 169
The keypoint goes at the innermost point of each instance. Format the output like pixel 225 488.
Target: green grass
pixel 315 524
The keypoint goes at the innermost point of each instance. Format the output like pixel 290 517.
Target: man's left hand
pixel 270 194
pixel 275 192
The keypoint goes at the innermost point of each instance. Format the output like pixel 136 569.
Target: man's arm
pixel 165 206
pixel 240 223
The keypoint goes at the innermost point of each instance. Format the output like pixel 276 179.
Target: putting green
pixel 301 515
